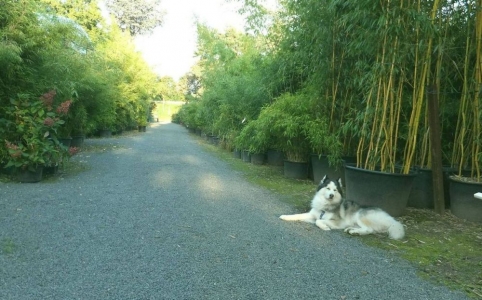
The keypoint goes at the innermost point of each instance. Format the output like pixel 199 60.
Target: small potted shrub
pixel 142 124
pixel 286 118
pixel 242 143
pixel 30 133
pixel 78 119
pixel 326 150
pixel 254 140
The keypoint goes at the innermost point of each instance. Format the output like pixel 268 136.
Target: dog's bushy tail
pixel 396 230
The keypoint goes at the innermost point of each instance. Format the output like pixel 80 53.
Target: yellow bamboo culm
pixel 468 127
pixel 419 97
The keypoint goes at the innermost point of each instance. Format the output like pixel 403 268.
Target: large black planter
pixel 321 167
pixel 258 158
pixel 237 153
pixel 463 204
pixel 50 170
pixel 66 141
pixel 246 156
pixel 421 195
pixel 105 133
pixel 389 191
pixel 214 140
pixel 275 158
pixel 29 176
pixel 77 141
pixel 295 170
pixel 6 171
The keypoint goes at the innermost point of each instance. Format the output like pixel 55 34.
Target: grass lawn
pixel 443 248
pixel 165 110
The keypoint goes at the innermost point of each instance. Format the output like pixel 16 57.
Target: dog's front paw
pixel 283 217
pixel 351 230
pixel 322 225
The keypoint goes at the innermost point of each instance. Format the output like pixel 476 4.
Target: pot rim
pixel 355 168
pixel 455 179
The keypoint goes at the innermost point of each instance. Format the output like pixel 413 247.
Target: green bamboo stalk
pixel 461 134
pixel 476 143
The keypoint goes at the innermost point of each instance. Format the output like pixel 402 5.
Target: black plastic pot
pixel 388 191
pixel 105 133
pixel 28 176
pixel 246 156
pixel 463 204
pixel 77 141
pixel 258 158
pixel 214 140
pixel 321 167
pixel 295 170
pixel 237 153
pixel 275 158
pixel 66 141
pixel 50 170
pixel 421 195
pixel 6 171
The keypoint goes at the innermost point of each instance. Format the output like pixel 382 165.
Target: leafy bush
pixel 30 132
pixel 254 137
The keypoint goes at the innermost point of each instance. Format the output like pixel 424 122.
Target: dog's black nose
pixel 331 196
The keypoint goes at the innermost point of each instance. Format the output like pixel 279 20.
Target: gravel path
pixel 159 218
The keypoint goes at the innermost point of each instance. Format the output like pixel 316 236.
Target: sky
pixel 170 48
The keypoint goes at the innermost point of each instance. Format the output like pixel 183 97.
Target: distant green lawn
pixel 165 109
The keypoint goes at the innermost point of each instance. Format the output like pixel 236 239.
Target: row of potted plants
pixel 288 126
pixel 38 135
pixel 352 80
pixel 391 191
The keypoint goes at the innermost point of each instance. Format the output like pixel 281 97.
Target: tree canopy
pixel 137 17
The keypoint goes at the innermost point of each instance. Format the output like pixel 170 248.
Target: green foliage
pixel 65 45
pixel 232 80
pixel 166 110
pixel 170 90
pixel 30 132
pixel 287 116
pixel 254 137
pixel 85 13
pixel 189 114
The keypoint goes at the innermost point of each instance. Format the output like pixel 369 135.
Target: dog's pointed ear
pixel 339 182
pixel 322 182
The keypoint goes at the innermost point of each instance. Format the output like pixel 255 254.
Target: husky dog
pixel 330 211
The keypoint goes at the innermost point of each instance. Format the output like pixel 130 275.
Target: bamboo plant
pixel 467 142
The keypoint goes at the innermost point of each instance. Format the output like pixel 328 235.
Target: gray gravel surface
pixel 159 218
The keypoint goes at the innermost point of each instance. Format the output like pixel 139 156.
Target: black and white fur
pixel 330 211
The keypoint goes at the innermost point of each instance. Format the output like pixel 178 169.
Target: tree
pixel 193 83
pixel 169 89
pixel 137 17
pixel 86 13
